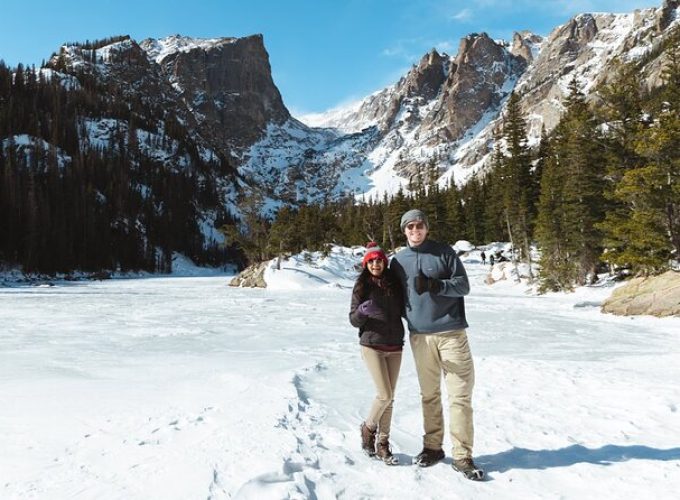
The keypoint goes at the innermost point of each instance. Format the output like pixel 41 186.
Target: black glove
pixel 425 284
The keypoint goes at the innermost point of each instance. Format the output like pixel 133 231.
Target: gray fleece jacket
pixel 433 313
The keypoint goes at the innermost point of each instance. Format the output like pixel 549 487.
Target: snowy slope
pixel 180 388
pixel 159 49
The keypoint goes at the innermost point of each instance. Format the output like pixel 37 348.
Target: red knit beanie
pixel 373 251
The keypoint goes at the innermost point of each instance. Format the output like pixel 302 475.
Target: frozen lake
pixel 182 388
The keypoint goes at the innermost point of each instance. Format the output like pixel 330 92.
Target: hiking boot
pixel 468 468
pixel 384 453
pixel 429 457
pixel 367 439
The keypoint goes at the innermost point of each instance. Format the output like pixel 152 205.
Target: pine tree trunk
pixel 512 245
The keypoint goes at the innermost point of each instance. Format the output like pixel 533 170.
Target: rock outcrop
pixel 251 277
pixel 227 83
pixel 656 296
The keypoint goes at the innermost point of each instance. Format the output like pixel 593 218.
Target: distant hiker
pixel 435 282
pixel 492 259
pixel 376 310
pixel 483 256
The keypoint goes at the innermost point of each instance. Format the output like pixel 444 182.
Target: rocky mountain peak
pixel 526 45
pixel 667 14
pixel 225 81
pixel 579 31
pixel 478 49
pixel 223 86
pixel 474 84
pixel 426 78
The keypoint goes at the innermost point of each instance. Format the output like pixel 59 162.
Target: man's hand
pixel 424 284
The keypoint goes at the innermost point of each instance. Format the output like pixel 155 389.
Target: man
pixel 435 282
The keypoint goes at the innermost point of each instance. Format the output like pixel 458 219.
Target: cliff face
pixel 227 85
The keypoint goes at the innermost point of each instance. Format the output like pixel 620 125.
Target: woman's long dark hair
pixel 388 281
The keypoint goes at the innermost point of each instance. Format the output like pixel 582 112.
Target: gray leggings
pixel 384 369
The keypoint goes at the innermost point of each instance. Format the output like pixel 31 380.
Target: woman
pixel 376 310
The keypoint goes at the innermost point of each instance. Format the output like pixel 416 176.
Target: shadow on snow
pixel 522 458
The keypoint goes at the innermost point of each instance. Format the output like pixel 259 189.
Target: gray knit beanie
pixel 413 215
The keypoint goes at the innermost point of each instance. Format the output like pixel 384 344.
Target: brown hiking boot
pixel 468 468
pixel 429 457
pixel 384 453
pixel 367 439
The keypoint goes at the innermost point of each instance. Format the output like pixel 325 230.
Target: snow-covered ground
pixel 183 388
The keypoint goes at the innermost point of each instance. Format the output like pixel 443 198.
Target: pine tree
pixel 557 268
pixel 473 205
pixel 643 228
pixel 494 227
pixel 653 189
pixel 454 222
pixel 581 152
pixel 571 202
pixel 517 185
pixel 396 207
pixel 251 235
pixel 623 114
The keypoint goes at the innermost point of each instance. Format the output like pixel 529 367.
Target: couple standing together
pixel 425 283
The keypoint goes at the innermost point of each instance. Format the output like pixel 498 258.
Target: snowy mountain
pixel 422 117
pixel 441 114
pixel 444 111
pixel 585 49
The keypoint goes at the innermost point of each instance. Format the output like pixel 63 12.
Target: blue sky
pixel 323 53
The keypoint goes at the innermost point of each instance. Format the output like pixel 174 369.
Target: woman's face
pixel 376 266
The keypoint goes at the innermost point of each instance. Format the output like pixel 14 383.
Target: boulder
pixel 506 271
pixel 251 277
pixel 655 295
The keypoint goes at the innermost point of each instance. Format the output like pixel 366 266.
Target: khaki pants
pixel 384 369
pixel 449 353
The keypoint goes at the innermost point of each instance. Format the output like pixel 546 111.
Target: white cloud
pixel 407 49
pixel 392 51
pixel 445 46
pixel 569 7
pixel 463 15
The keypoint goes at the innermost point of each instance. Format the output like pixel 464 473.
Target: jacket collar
pixel 423 247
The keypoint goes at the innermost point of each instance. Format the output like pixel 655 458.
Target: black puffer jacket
pixel 387 330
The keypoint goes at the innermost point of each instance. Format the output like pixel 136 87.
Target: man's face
pixel 416 232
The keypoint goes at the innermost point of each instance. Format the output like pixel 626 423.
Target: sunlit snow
pixel 183 387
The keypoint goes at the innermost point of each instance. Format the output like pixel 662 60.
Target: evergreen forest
pixel 68 203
